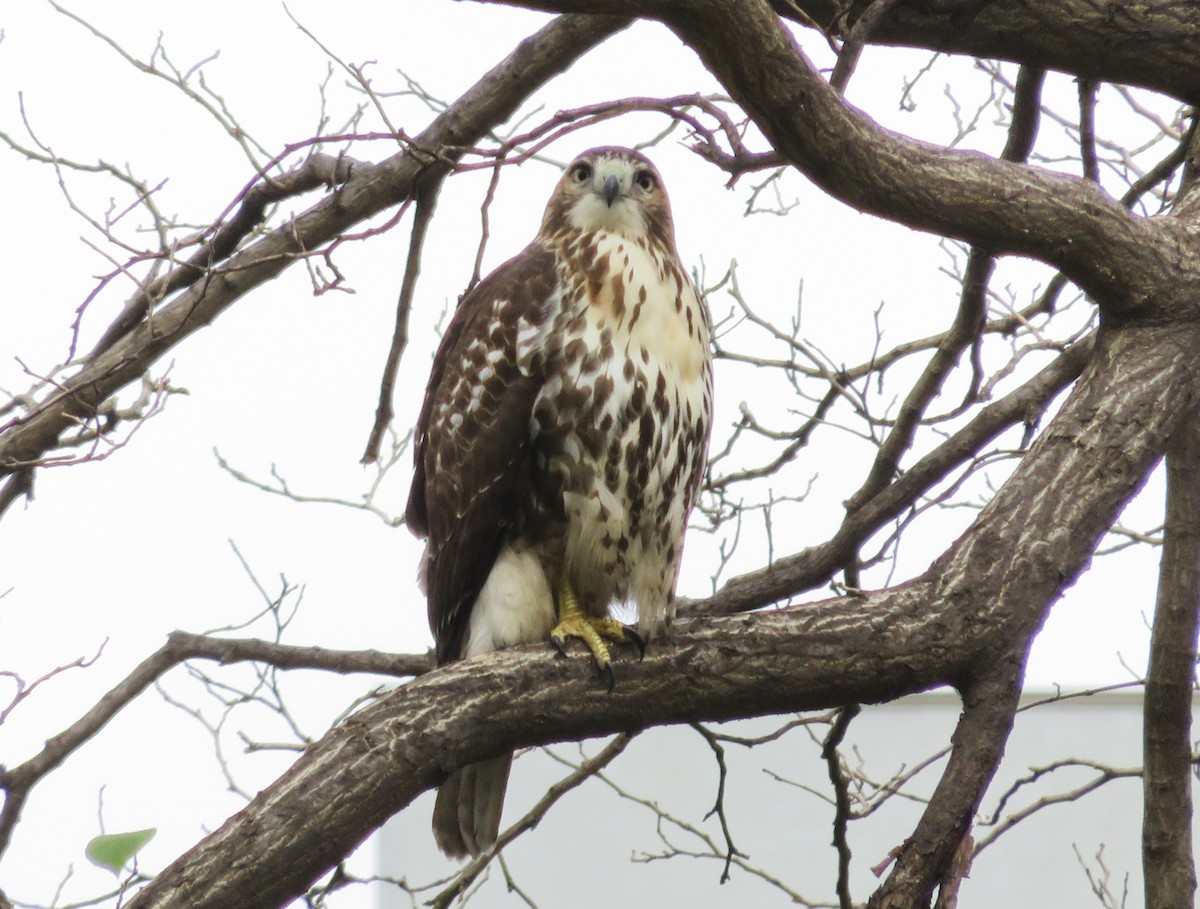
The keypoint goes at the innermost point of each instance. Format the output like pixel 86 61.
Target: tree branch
pixel 426 202
pixel 313 173
pixel 841 799
pixel 989 705
pixel 856 39
pixel 811 567
pixel 1089 39
pixel 968 321
pixel 1170 873
pixel 181 646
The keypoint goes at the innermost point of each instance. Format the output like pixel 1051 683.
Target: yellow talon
pixel 574 623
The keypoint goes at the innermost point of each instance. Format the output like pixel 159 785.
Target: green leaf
pixel 114 850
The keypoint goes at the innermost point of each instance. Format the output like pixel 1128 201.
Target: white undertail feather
pixel 515 605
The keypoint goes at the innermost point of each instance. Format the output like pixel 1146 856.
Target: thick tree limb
pixel 989 706
pixel 1170 873
pixel 999 205
pixel 968 621
pixel 367 191
pixel 1105 42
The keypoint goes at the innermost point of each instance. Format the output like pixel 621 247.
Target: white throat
pixel 624 216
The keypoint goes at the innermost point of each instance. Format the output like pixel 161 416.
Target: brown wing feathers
pixel 473 446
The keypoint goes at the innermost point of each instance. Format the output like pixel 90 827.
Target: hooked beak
pixel 612 189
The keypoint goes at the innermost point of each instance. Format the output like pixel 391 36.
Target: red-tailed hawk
pixel 561 444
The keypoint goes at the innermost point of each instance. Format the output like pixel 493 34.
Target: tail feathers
pixel 466 815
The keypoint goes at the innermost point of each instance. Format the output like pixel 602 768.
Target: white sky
pixel 119 553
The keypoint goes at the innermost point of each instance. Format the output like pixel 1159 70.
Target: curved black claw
pixel 560 644
pixel 638 641
pixel 607 672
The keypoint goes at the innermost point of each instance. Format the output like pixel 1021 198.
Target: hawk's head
pixel 611 189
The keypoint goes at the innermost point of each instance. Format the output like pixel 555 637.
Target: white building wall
pixel 590 850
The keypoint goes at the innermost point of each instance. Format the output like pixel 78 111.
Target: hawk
pixel 561 444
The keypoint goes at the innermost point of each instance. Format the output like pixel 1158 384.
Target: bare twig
pixel 25 689
pixel 280 486
pixel 18 781
pixel 426 200
pixel 1104 775
pixel 841 800
pixel 718 807
pixel 1087 129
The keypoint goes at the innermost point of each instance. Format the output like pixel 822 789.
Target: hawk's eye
pixel 581 173
pixel 645 180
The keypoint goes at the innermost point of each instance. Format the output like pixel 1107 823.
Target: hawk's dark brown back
pixel 472 441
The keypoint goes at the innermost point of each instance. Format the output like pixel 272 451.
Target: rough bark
pixel 1170 873
pixel 989 706
pixel 1105 41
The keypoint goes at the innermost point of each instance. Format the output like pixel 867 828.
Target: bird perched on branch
pixel 562 444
